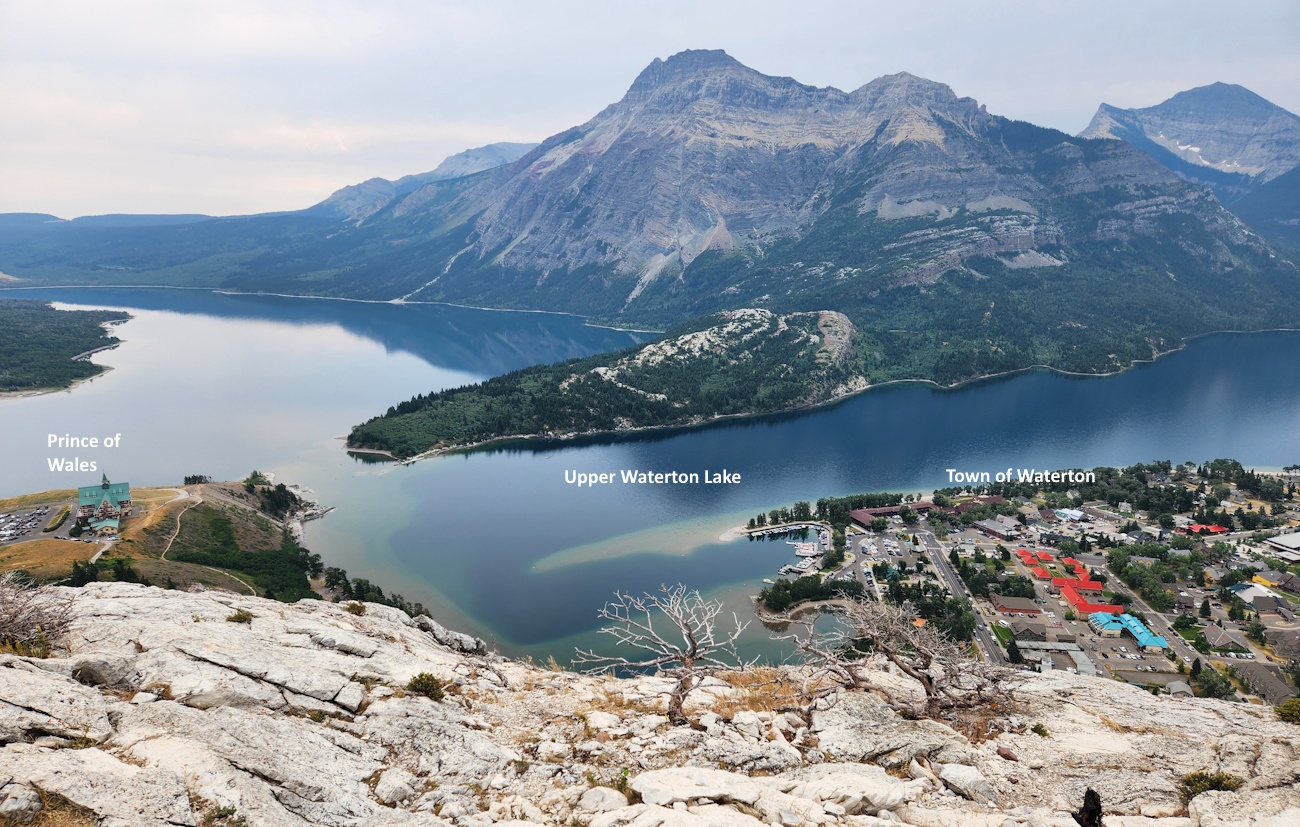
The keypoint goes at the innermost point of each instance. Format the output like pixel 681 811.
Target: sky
pixel 235 107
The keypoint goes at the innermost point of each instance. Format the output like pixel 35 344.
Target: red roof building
pixel 1043 555
pixel 1085 607
pixel 1070 561
pixel 1201 528
pixel 1041 573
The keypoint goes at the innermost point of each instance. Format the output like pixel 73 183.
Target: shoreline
pixel 80 357
pixel 502 440
pixel 33 392
pixel 397 302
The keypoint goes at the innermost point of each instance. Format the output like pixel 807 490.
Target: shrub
pixel 1039 730
pixel 32 617
pixel 356 608
pixel 427 685
pixel 1289 710
pixel 241 616
pixel 59 519
pixel 1195 783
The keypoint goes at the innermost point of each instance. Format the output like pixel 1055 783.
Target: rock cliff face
pixel 704 154
pixel 1223 136
pixel 165 712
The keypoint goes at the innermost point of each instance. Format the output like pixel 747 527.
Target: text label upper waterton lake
pixel 630 476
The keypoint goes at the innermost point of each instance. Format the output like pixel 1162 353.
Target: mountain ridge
pixel 1222 135
pixel 359 201
pixel 958 242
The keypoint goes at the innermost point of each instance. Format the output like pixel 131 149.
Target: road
pixel 983 635
pixel 1157 622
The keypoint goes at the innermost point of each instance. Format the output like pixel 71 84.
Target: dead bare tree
pixel 950 678
pixel 636 622
pixel 31 617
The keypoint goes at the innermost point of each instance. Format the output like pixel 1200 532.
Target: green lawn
pixel 1004 635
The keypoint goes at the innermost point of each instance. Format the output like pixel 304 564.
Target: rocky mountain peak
pixel 712 77
pixel 1224 100
pixel 1223 128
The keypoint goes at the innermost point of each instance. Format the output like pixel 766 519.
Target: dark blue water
pixel 498 542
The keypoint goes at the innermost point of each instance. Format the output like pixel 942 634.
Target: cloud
pixel 241 106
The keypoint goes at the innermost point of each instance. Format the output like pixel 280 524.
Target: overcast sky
pixel 237 106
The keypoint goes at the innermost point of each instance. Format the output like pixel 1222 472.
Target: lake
pixel 495 541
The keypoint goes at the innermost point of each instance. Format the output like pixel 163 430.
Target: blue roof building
pixel 1111 626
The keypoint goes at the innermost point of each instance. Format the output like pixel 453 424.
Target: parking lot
pixel 25 524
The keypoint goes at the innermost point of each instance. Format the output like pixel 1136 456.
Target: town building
pixel 1201 528
pixel 1221 638
pixel 993 528
pixel 1179 689
pixel 102 507
pixel 1025 630
pixel 1285 642
pixel 1267 577
pixel 1096 514
pixel 1015 605
pixel 1105 625
pixel 1084 607
pixel 1265 681
pixel 863 516
pixel 1110 626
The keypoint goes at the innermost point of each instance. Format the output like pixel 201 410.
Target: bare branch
pixel 947 674
pixel 652 625
pixel 31 615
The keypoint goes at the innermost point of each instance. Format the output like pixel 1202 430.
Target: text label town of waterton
pixel 634 477
pixel 1030 475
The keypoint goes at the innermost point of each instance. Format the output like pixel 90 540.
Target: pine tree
pixel 1196 668
pixel 1013 652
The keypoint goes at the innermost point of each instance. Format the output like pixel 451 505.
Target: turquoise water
pixel 495 540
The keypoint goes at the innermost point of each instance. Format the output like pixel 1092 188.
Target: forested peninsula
pixel 44 348
pixel 732 363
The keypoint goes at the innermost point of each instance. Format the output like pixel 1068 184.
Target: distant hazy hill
pixel 958 243
pixel 362 200
pixel 1227 138
pixel 1222 135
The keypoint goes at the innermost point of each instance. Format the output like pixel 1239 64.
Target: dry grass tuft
pixel 58 811
pixel 761 689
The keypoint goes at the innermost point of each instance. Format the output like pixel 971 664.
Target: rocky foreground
pixel 164 711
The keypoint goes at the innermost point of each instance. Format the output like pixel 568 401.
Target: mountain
pixel 958 243
pixel 1274 209
pixel 1223 136
pixel 1227 138
pixel 360 201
